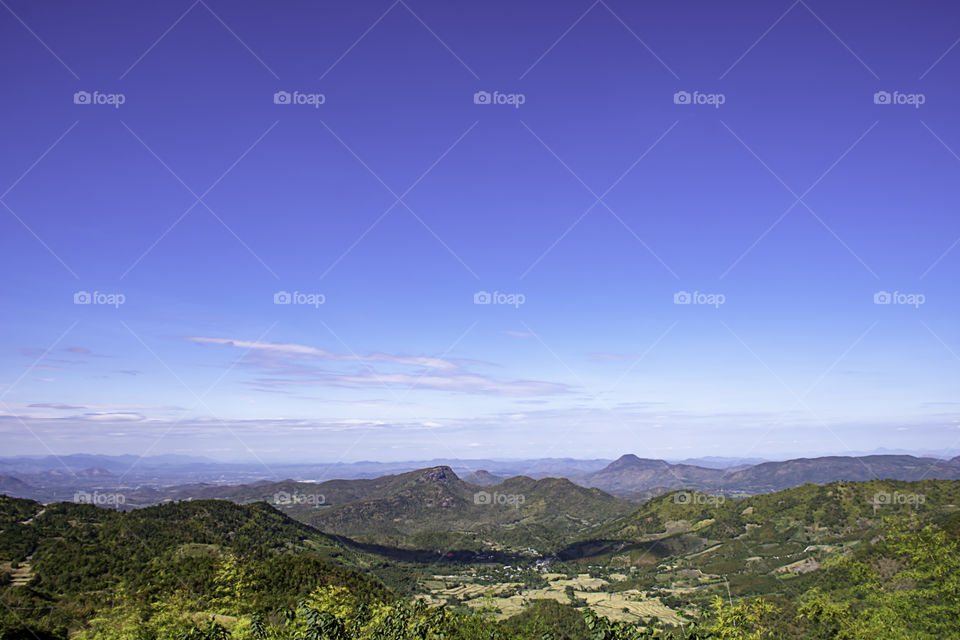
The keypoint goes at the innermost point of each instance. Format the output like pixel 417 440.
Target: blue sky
pixel 778 165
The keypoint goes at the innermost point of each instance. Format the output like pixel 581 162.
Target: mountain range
pixel 629 475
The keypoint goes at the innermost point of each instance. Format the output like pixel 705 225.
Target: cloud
pixel 111 417
pixel 518 334
pixel 459 382
pixel 56 405
pixel 79 350
pixel 292 365
pixel 304 351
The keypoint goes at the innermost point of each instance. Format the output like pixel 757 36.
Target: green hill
pixel 434 509
pixel 851 561
pixel 694 540
pixel 79 556
pixel 632 476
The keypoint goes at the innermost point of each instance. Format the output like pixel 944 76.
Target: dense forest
pixel 217 570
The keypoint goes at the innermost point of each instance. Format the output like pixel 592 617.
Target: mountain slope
pixel 774 476
pixel 630 475
pixel 752 542
pixel 80 558
pixel 482 478
pixel 433 508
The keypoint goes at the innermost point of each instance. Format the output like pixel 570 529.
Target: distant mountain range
pixel 70 471
pixel 637 479
pixel 434 509
pixel 630 475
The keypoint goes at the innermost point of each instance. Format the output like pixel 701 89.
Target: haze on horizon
pixel 413 231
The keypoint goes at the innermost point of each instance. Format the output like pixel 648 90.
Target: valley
pixel 495 552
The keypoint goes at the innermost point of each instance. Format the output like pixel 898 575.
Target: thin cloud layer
pixel 293 365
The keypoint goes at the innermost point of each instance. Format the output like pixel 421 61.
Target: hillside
pixel 629 476
pixel 433 508
pixel 17 488
pixel 756 542
pixel 774 476
pixel 483 478
pixel 821 557
pixel 76 555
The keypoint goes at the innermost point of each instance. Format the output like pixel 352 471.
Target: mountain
pixel 720 462
pixel 16 488
pixel 482 478
pixel 85 474
pixel 434 509
pixel 114 464
pixel 77 558
pixel 751 543
pixel 630 476
pixel 774 476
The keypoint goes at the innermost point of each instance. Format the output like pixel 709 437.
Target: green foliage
pixel 906 587
pixel 210 570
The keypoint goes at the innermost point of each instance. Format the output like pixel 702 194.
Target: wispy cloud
pixel 110 417
pixel 304 351
pixel 458 382
pixel 56 405
pixel 295 365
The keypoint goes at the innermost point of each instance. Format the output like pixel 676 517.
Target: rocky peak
pixel 436 474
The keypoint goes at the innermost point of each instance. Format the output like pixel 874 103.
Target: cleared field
pixel 509 598
pixel 19 576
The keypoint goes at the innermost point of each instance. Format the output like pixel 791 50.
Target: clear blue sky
pixel 595 202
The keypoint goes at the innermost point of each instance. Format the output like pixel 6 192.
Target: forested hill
pixel 79 556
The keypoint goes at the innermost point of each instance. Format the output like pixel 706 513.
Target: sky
pixel 325 231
